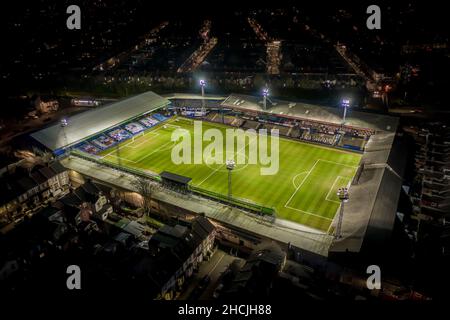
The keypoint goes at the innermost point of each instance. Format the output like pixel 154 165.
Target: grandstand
pixel 366 136
pixel 323 115
pixel 249 124
pixel 91 125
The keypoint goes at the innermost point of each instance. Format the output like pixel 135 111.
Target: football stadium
pixel 320 154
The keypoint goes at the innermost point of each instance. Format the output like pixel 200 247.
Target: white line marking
pixel 303 181
pixel 146 132
pixel 331 189
pixel 156 150
pixel 293 178
pixel 331 224
pixel 306 177
pixel 137 145
pixel 310 213
pixel 121 158
pixel 341 164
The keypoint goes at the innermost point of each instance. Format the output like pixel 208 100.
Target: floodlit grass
pixel 303 190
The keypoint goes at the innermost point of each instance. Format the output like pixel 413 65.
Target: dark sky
pixel 42 22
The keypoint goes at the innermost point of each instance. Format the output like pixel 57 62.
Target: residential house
pixel 257 275
pixel 178 251
pixel 22 189
pixel 86 204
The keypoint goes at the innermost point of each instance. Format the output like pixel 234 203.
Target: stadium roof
pixel 306 111
pixel 88 123
pixel 370 213
pixel 193 96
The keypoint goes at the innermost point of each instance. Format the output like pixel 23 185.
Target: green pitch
pixel 303 190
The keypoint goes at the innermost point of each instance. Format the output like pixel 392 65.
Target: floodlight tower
pixel 202 85
pixel 64 124
pixel 119 159
pixel 230 166
pixel 343 198
pixel 346 104
pixel 265 94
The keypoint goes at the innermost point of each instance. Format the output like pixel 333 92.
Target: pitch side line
pixel 121 158
pixel 156 150
pixel 123 146
pixel 139 137
pixel 340 164
pixel 331 224
pixel 309 172
pixel 303 181
pixel 136 146
pixel 153 132
pixel 310 213
pixel 293 178
pixel 336 214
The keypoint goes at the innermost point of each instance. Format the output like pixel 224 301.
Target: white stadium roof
pixel 86 124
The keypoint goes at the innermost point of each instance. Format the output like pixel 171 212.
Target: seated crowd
pixel 330 134
pixel 106 140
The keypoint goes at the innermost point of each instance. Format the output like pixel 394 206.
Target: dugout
pixel 175 181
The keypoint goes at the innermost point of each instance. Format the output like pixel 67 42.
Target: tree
pixel 42 156
pixel 145 189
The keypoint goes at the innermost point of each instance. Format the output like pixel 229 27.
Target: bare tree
pixel 42 156
pixel 146 190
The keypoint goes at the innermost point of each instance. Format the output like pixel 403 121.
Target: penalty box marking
pixel 138 144
pixel 144 157
pixel 303 181
pixel 295 177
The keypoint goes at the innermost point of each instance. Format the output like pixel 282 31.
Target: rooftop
pixel 305 111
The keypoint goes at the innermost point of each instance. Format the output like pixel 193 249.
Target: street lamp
pixel 346 104
pixel 64 124
pixel 265 94
pixel 230 166
pixel 343 198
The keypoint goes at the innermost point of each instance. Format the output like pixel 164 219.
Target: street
pixel 213 268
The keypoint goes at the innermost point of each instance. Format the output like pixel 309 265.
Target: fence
pixel 243 203
pixel 113 165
